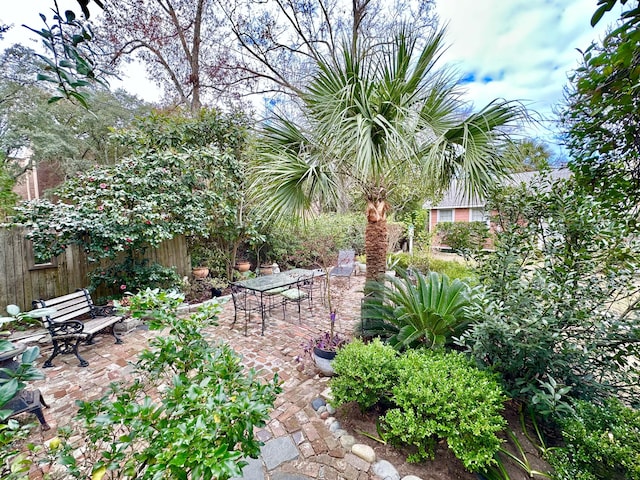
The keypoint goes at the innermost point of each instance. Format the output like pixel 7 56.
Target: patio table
pixel 265 283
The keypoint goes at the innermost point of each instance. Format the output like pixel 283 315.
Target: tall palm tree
pixel 379 117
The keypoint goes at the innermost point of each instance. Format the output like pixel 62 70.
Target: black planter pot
pixel 329 355
pixel 323 360
pixel 216 292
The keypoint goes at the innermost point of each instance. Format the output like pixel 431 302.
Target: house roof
pixel 454 197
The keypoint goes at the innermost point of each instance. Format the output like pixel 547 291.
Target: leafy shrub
pixel 305 245
pixel 442 396
pixel 133 276
pixel 452 269
pixel 365 373
pixel 201 426
pixel 551 304
pixel 600 442
pixel 422 261
pixel 424 314
pixel 15 465
pixel 466 238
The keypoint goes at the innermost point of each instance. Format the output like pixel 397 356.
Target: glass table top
pixel 276 280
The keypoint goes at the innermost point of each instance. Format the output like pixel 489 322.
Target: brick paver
pixel 321 454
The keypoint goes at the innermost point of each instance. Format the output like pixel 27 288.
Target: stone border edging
pixel 381 468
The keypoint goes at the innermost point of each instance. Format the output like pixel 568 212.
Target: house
pixel 455 207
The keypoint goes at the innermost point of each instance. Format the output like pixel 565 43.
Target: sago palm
pixel 427 313
pixel 378 118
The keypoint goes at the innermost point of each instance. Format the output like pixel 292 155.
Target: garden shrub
pixel 600 442
pixel 365 373
pixel 202 424
pixel 442 396
pixel 304 245
pixel 422 261
pixel 465 238
pixel 553 305
pixel 452 269
pixel 133 275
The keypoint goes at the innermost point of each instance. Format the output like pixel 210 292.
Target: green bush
pixel 442 396
pixel 134 275
pixel 601 442
pixel 305 245
pixel 465 238
pixel 366 373
pixel 422 261
pixel 452 269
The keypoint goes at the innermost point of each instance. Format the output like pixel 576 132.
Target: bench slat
pixel 70 315
pixel 97 324
pixel 55 301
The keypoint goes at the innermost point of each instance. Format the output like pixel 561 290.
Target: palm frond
pixel 426 313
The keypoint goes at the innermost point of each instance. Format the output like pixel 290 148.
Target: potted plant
pixel 200 272
pixel 324 347
pixel 243 265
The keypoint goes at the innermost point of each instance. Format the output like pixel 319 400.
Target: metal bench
pixel 76 320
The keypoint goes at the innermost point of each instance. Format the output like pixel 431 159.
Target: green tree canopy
pixel 381 116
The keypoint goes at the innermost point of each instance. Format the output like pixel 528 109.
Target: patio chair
pixel 297 295
pixel 245 301
pixel 346 265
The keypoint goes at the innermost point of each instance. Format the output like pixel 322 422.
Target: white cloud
pixel 527 47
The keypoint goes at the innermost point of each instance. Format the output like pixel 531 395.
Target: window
pixel 38 264
pixel 478 215
pixel 445 215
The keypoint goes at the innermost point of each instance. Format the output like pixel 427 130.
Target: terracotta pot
pixel 200 272
pixel 243 266
pixel 266 269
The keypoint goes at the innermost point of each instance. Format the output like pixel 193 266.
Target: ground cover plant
pixel 189 413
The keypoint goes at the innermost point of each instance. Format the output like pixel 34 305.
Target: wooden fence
pixel 22 281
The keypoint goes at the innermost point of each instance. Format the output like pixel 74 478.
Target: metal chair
pixel 248 302
pixel 297 295
pixel 346 265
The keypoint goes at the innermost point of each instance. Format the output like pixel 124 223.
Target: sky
pixel 512 49
pixel 519 49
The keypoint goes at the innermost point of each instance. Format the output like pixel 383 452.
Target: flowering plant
pixel 328 341
pixel 325 341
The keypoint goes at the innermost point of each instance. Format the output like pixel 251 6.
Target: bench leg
pixel 113 332
pixel 65 346
pixel 49 362
pixel 29 401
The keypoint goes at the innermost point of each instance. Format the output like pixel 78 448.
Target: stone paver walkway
pixel 298 441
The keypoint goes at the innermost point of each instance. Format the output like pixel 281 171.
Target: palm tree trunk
pixel 375 239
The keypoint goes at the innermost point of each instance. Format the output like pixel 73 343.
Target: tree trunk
pixel 376 239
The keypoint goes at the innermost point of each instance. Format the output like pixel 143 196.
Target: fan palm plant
pixel 378 117
pixel 427 313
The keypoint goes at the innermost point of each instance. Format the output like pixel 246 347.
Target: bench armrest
pixel 103 310
pixel 70 327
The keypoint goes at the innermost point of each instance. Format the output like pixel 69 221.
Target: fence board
pixel 20 282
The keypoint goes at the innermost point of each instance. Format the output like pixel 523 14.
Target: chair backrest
pixel 346 258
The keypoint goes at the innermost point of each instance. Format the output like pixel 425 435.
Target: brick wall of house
pixel 461 215
pixel 434 220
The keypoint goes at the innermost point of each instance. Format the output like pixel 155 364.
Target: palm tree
pixel 376 118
